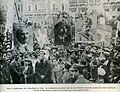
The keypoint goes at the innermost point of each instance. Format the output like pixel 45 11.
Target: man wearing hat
pixel 16 68
pixel 43 69
pixel 62 34
pixel 28 71
pixel 54 52
pixel 6 71
pixel 66 78
pixel 105 64
pixel 77 74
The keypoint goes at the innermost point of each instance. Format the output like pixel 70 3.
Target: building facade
pixel 78 6
pixel 82 6
pixel 112 9
pixel 35 10
pixel 40 11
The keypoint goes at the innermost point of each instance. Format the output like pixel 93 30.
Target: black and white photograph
pixel 59 41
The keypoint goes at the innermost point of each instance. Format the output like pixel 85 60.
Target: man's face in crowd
pixel 72 55
pixel 23 35
pixel 9 55
pixel 54 51
pixel 74 73
pixel 85 16
pixel 27 63
pixel 42 56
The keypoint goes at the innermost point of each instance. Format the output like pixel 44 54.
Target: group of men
pixel 84 63
pixel 71 63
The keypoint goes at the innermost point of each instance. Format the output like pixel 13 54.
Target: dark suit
pixel 81 79
pixel 29 74
pixel 6 74
pixel 16 69
pixel 43 69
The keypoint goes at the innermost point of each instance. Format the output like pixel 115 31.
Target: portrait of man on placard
pixel 23 38
pixel 85 35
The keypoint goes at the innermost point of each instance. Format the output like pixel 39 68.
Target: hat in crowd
pixel 101 71
pixel 79 49
pixel 42 52
pixel 107 49
pixel 37 51
pixel 27 59
pixel 65 16
pixel 94 61
pixel 86 24
pixel 67 65
pixel 83 61
pixel 26 55
pixel 102 58
pixel 93 50
pixel 76 67
pixel 106 53
pixel 34 52
pixel 72 51
pixel 54 47
pixel 4 51
pixel 89 55
pixel 9 50
pixel 47 48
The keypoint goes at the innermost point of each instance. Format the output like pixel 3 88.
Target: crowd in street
pixel 79 63
pixel 60 63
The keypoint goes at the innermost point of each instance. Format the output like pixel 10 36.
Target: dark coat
pixel 16 69
pixel 6 74
pixel 66 77
pixel 29 74
pixel 81 79
pixel 43 69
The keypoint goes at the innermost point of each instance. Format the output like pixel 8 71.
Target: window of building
pixel 91 1
pixel 82 9
pixel 82 1
pixel 29 8
pixel 113 8
pixel 73 9
pixel 18 7
pixel 35 7
pixel 62 6
pixel 2 7
pixel 98 0
pixel 21 8
pixel 113 16
pixel 118 9
pixel 56 9
pixel 53 6
pixel 72 1
pixel 106 9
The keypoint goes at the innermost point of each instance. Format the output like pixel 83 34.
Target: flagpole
pixel 10 18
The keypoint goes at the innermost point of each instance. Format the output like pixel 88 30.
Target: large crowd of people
pixel 82 62
pixel 79 63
